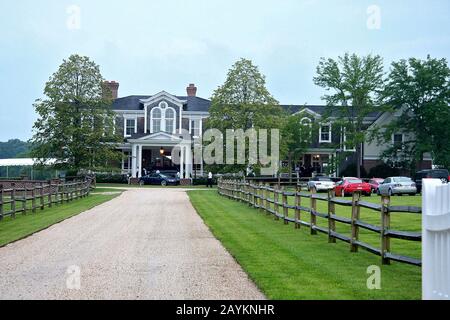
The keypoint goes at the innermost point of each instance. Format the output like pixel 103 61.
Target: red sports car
pixel 350 185
pixel 374 183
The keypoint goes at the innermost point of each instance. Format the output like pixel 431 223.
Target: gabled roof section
pixel 162 137
pixel 136 103
pixel 310 112
pixel 162 95
pixel 321 110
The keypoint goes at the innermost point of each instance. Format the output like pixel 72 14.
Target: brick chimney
pixel 114 87
pixel 191 90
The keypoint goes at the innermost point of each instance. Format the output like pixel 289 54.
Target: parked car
pixel 431 174
pixel 321 183
pixel 350 185
pixel 374 183
pixel 159 179
pixel 397 185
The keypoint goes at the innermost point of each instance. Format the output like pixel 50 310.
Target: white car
pixel 321 183
pixel 397 185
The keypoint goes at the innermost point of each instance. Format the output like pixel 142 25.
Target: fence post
pixel 247 192
pixel 60 195
pixel 285 208
pixel 42 196
pixel 298 189
pixel 13 200
pixel 385 225
pixel 313 211
pixel 267 198
pixel 331 213
pixel 33 199
pixel 262 203
pixel 1 202
pixel 355 217
pixel 276 198
pixel 435 240
pixel 254 195
pixel 50 193
pixel 24 199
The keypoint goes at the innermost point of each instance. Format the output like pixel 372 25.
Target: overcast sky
pixel 155 45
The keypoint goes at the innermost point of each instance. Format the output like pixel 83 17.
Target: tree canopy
pixel 417 93
pixel 14 148
pixel 243 102
pixel 75 122
pixel 354 84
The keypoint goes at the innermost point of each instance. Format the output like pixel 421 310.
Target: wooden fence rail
pixel 17 198
pixel 267 198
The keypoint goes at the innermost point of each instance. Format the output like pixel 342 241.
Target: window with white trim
pixel 306 121
pixel 130 125
pixel 156 115
pixel 170 120
pixel 325 133
pixel 162 118
pixel 195 129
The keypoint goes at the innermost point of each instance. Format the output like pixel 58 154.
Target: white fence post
pixel 435 240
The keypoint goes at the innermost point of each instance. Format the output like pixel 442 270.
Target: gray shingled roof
pixel 321 110
pixel 133 103
pixel 199 104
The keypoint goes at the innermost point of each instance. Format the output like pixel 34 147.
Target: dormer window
pixel 162 118
pixel 170 121
pixel 156 119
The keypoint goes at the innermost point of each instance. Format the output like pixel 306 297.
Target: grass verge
pixel 291 264
pixel 24 225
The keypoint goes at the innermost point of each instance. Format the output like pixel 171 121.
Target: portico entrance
pixel 154 152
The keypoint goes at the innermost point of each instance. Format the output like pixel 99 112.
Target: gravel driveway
pixel 144 244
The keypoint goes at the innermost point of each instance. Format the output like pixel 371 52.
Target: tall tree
pixel 243 102
pixel 296 137
pixel 75 123
pixel 355 83
pixel 418 94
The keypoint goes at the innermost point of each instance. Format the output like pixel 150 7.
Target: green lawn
pixel 25 225
pixel 399 221
pixel 291 264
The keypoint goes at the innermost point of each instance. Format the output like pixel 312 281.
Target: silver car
pixel 321 183
pixel 397 185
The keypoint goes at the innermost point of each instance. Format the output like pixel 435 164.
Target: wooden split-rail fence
pixel 22 197
pixel 274 200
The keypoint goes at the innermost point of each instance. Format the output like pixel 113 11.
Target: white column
pixel 145 120
pixel 133 161
pixel 188 162
pixel 181 162
pixel 140 161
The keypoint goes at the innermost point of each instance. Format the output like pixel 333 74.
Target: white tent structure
pixel 22 162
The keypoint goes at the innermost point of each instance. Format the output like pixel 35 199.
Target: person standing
pixel 209 182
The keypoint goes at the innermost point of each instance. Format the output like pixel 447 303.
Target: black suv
pixel 431 174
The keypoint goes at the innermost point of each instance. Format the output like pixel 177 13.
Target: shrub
pixel 383 171
pixel 350 171
pixel 202 181
pixel 111 178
